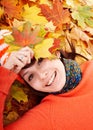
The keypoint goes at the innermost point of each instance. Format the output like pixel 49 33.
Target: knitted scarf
pixel 73 75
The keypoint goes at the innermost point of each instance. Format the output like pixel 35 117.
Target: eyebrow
pixel 31 63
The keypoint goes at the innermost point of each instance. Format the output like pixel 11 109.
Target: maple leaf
pixel 42 50
pixel 18 24
pixel 89 30
pixel 90 48
pixel 77 34
pixel 87 2
pixel 27 36
pixel 12 8
pixel 50 27
pixel 84 15
pixel 70 3
pixel 29 2
pixel 55 46
pixel 1 11
pixel 18 94
pixel 45 2
pixel 57 14
pixel 10 41
pixel 31 14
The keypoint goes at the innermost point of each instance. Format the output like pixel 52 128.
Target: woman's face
pixel 45 75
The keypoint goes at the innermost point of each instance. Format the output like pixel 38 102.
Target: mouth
pixel 52 78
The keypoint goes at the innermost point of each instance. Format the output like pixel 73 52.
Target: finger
pixel 28 49
pixel 17 65
pixel 24 57
pixel 14 63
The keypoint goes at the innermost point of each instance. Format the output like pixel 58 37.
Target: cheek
pixel 35 83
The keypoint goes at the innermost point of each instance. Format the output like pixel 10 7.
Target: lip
pixel 51 78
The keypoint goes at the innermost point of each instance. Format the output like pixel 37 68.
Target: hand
pixel 17 60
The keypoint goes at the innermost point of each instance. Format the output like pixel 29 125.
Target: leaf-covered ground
pixel 67 21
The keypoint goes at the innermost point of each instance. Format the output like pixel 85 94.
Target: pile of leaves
pixel 19 100
pixel 67 21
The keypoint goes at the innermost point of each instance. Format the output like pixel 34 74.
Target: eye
pixel 40 60
pixel 30 77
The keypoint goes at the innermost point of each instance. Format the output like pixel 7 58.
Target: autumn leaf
pixel 78 34
pixel 18 94
pixel 55 46
pixel 42 49
pixel 90 48
pixel 29 2
pixel 18 24
pixel 84 15
pixel 10 41
pixel 87 2
pixel 19 100
pixel 89 30
pixel 57 14
pixel 31 14
pixel 55 19
pixel 12 8
pixel 1 11
pixel 70 3
pixel 11 117
pixel 50 27
pixel 45 2
pixel 27 36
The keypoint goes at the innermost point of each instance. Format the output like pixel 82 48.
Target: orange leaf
pixel 55 46
pixel 27 36
pixel 57 14
pixel 12 8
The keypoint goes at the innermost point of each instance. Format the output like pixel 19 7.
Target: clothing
pixel 73 75
pixel 69 111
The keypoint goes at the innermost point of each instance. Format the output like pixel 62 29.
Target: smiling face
pixel 45 75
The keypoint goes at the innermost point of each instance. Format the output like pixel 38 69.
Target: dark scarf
pixel 73 74
pixel 73 77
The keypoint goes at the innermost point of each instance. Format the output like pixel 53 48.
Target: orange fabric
pixel 1 41
pixel 3 50
pixel 69 111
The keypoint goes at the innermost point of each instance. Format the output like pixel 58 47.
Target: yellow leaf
pixel 1 11
pixel 12 116
pixel 70 3
pixel 45 2
pixel 9 40
pixel 77 34
pixel 32 14
pixel 89 29
pixel 50 26
pixel 90 48
pixel 81 48
pixel 18 94
pixel 87 2
pixel 18 24
pixel 42 50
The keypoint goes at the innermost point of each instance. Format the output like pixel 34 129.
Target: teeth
pixel 51 80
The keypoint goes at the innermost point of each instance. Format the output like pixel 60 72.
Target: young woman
pixel 69 92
